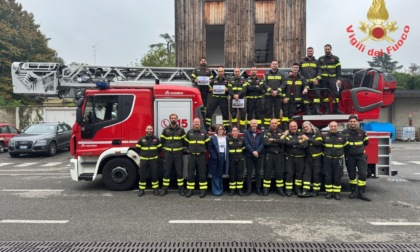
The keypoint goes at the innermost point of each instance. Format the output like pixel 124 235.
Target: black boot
pixel 163 191
pixel 189 193
pixel 304 194
pixel 328 195
pixel 280 191
pixel 315 193
pixel 259 192
pixel 181 191
pixel 141 193
pixel 297 190
pixel 240 192
pixel 155 192
pixel 361 195
pixel 353 193
pixel 265 191
pixel 336 109
pixel 288 193
pixel 327 108
pixel 232 192
pixel 203 193
pixel 317 110
pixel 307 110
pixel 337 196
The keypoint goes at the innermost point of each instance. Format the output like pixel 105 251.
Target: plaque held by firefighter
pixel 240 103
pixel 219 89
pixel 203 80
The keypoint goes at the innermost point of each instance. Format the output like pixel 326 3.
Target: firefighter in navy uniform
pixel 148 148
pixel 197 141
pixel 294 91
pixel 334 144
pixel 218 99
pixel 204 89
pixel 236 146
pixel 274 157
pixel 311 71
pixel 273 86
pixel 330 79
pixel 313 160
pixel 172 139
pixel 295 151
pixel 254 90
pixel 355 157
pixel 236 92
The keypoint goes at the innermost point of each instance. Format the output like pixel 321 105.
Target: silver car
pixel 42 137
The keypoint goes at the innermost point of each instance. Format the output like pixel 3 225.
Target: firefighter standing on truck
pixel 311 71
pixel 330 74
pixel 197 141
pixel 202 70
pixel 236 92
pixel 172 139
pixel 313 160
pixel 254 90
pixel 219 89
pixel 274 158
pixel 294 91
pixel 295 150
pixel 334 143
pixel 148 148
pixel 355 157
pixel 273 86
pixel 236 146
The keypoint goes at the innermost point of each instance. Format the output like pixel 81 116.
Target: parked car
pixel 42 137
pixel 7 131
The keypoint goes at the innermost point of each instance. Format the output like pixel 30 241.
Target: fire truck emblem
pixel 378 29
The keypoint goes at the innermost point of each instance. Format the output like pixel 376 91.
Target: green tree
pixel 21 40
pixel 407 81
pixel 386 63
pixel 160 54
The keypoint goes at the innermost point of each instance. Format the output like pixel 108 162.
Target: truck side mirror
pixel 79 116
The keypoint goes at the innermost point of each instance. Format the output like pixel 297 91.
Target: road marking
pixel 35 221
pixel 209 222
pixel 4 164
pixel 34 174
pixel 397 163
pixel 416 173
pixel 34 170
pixel 52 164
pixel 32 190
pixel 415 162
pixel 25 164
pixel 395 223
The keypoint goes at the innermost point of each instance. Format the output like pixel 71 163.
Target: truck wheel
pixel 52 149
pixel 119 174
pixel 1 147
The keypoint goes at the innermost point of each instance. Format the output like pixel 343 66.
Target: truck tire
pixel 119 174
pixel 2 147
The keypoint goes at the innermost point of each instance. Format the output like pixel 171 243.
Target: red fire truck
pixel 111 118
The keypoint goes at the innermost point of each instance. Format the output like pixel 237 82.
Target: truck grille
pixel 205 247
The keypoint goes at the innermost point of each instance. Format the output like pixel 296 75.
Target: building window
pixel 264 43
pixel 215 45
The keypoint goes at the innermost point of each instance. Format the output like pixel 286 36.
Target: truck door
pixel 102 117
pixel 165 107
pixel 364 98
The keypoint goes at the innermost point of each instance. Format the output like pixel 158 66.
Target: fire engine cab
pixel 111 116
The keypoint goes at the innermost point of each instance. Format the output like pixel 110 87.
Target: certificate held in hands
pixel 219 89
pixel 240 103
pixel 203 80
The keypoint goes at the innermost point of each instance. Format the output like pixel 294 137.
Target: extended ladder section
pixel 54 79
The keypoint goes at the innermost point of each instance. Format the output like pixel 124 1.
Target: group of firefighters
pixel 297 159
pixel 267 97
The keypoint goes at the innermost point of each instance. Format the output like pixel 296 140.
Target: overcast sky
pixel 120 31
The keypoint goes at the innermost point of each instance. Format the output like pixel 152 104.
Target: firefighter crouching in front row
pixel 355 157
pixel 334 143
pixel 148 148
